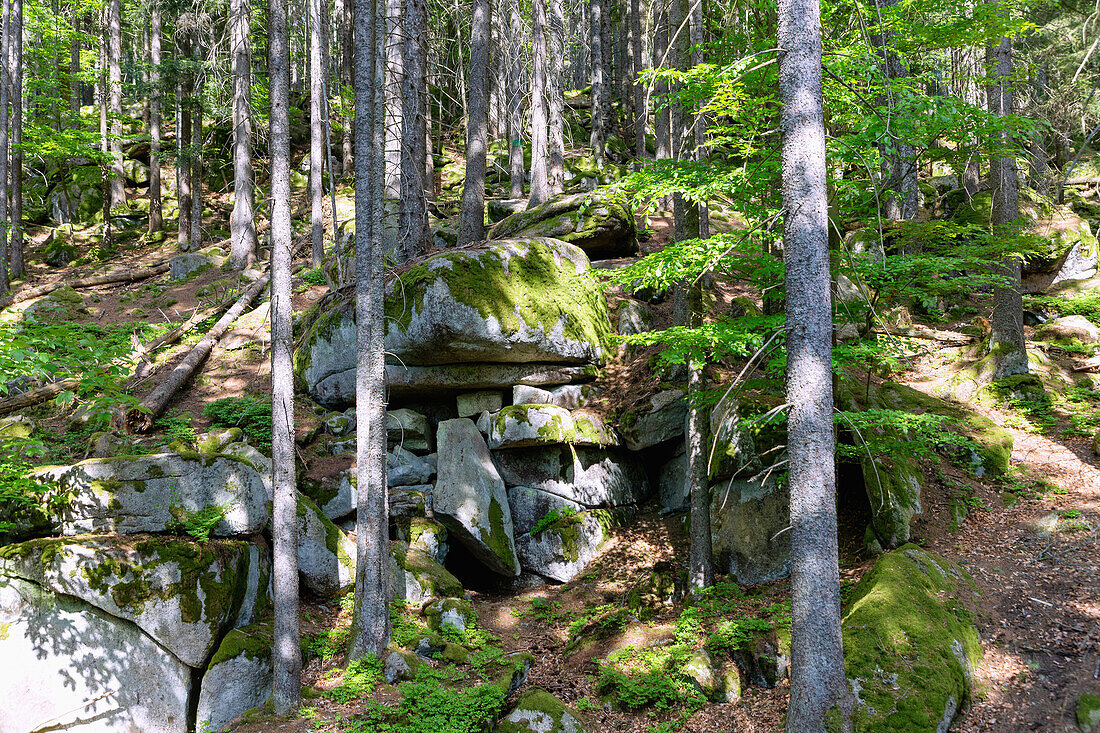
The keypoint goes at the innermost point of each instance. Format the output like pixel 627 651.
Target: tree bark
pixel 641 115
pixel 370 623
pixel 1007 342
pixel 662 133
pixel 316 132
pixel 5 88
pixel 899 167
pixel 156 206
pixel 471 227
pixel 347 74
pixel 392 61
pixel 555 93
pixel 15 245
pixel 817 659
pixel 183 144
pixel 598 139
pixel 540 163
pixel 414 235
pixel 114 88
pixel 197 135
pixel 242 224
pixel 700 567
pixel 516 168
pixel 966 72
pixel 287 658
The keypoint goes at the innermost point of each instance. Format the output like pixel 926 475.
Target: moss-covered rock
pixel 599 222
pixel 454 613
pixel 417 578
pixel 238 678
pixel 518 426
pixel 910 645
pixel 60 306
pixel 57 251
pixel 537 711
pixel 15 427
pixel 183 594
pixel 326 557
pixel 562 550
pixel 1067 328
pixel 661 587
pixel 1088 713
pixel 77 199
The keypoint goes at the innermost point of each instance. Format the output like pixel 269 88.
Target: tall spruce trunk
pixel 347 76
pixel 1007 342
pixel 967 71
pixel 899 164
pixel 287 659
pixel 598 139
pixel 818 684
pixel 516 168
pixel 114 88
pixel 555 95
pixel 242 225
pixel 317 74
pixel 197 134
pixel 5 89
pixel 641 116
pixel 370 624
pixel 15 245
pixel 471 226
pixel 662 133
pixel 183 147
pixel 394 41
pixel 413 234
pixel 540 151
pixel 156 205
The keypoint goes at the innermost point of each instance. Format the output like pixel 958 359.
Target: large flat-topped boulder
pixel 599 222
pixel 73 667
pixel 136 494
pixel 182 594
pixel 593 477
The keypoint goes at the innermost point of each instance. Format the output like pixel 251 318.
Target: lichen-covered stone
pixel 182 594
pixel 408 429
pixel 537 711
pixel 519 426
pixel 472 404
pixel 910 645
pixel 326 557
pixel 418 578
pixel 457 613
pixel 135 494
pixel 60 306
pixel 562 550
pixel 893 489
pixel 79 199
pixel 594 477
pixel 703 674
pixel 530 505
pixel 183 266
pixel 600 222
pixel 470 497
pixel 568 396
pixel 747 519
pixel 1067 328
pixel 70 665
pixel 663 420
pixel 15 427
pixel 239 677
pixel 732 450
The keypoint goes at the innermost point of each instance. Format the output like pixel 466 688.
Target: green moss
pixel 252 642
pixel 333 535
pixel 539 703
pixel 432 577
pixel 5 630
pixel 532 290
pixel 498 540
pixel 910 641
pixel 1088 713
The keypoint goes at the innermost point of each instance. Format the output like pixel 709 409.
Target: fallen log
pixel 126 276
pixel 36 396
pixel 150 408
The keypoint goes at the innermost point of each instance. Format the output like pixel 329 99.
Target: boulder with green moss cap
pixel 135 494
pixel 470 497
pixel 456 613
pixel 76 663
pixel 239 677
pixel 593 477
pixel 60 306
pixel 599 222
pixel 326 557
pixel 519 426
pixel 16 427
pixel 910 645
pixel 182 594
pixel 1067 328
pixel 537 711
pixel 563 550
pixel 418 578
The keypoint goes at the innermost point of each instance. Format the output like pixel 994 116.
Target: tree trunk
pixel 641 115
pixel 966 72
pixel 414 236
pixel 156 206
pixel 555 94
pixel 287 658
pixel 5 87
pixel 370 623
pixel 74 65
pixel 394 41
pixel 516 168
pixel 1007 341
pixel 15 246
pixel 899 166
pixel 471 226
pixel 540 163
pixel 700 568
pixel 316 132
pixel 347 74
pixel 242 224
pixel 183 146
pixel 197 137
pixel 1038 167
pixel 662 134
pixel 114 87
pixel 817 659
pixel 598 139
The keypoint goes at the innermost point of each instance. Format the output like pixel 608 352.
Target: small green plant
pixel 551 517
pixel 314 276
pixel 196 525
pixel 251 414
pixel 360 679
pixel 1070 513
pixel 177 428
pixel 329 643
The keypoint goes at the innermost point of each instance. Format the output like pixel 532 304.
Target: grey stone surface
pixel 663 421
pixel 749 522
pixel 182 265
pixel 409 429
pixel 326 557
pixel 530 505
pixel 70 665
pixel 134 494
pixel 519 426
pixel 594 477
pixel 564 549
pixel 472 404
pixel 470 498
pixel 239 677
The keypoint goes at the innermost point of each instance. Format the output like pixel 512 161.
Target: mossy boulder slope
pixel 910 645
pixel 599 222
pixel 182 594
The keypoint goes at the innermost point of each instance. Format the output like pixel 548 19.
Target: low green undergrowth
pixel 251 414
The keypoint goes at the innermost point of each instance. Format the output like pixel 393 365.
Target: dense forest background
pixel 398 365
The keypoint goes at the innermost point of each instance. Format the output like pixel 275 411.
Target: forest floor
pixel 1039 607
